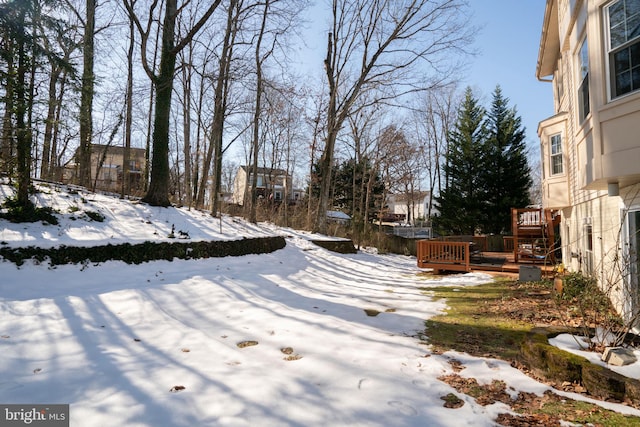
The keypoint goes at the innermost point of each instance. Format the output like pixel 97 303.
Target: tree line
pixel 191 82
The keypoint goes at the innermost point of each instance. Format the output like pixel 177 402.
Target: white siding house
pixel 590 146
pixel 411 206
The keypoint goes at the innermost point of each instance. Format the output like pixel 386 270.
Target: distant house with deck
pixel 107 168
pixel 272 184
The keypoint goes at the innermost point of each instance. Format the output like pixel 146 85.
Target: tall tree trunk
pixel 54 165
pixel 86 96
pixel 313 177
pixel 219 111
pixel 186 126
pixel 7 143
pixel 23 129
pixel 147 145
pixel 158 193
pixel 126 154
pixel 47 155
pixel 158 190
pixel 199 137
pixel 326 160
pixel 256 116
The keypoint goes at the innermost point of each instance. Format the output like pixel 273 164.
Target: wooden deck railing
pixel 508 243
pixel 438 255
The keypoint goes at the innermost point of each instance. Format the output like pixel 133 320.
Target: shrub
pixel 95 216
pixel 581 294
pixel 17 212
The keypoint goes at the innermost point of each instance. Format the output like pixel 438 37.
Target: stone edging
pixel 142 252
pixel 558 365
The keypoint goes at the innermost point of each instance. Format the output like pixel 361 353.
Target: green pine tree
pixel 508 176
pixel 349 186
pixel 461 202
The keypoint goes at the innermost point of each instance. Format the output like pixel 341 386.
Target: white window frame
pixel 611 51
pixel 553 155
pixel 630 255
pixel 588 258
pixel 582 60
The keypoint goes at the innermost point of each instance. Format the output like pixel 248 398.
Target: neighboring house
pixel 273 185
pixel 410 206
pixel 590 147
pixel 107 168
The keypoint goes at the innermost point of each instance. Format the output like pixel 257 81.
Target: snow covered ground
pixel 170 343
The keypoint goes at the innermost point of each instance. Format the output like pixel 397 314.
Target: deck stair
pixel 533 234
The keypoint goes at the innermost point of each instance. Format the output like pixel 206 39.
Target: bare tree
pixel 126 179
pixel 60 71
pixel 406 175
pixel 433 115
pixel 316 121
pixel 260 58
pixel 221 92
pixel 201 125
pixel 158 191
pixel 362 125
pixel 384 41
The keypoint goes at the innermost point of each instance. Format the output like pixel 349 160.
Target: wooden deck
pixel 504 262
pixel 461 256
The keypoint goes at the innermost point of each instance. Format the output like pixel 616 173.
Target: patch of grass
pixel 584 413
pixel 472 324
pixel 493 320
pixel 548 409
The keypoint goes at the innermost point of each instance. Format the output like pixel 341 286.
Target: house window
pixel 559 81
pixel 588 249
pixel 583 78
pixel 556 155
pixel 624 46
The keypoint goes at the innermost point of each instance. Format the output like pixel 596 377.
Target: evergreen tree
pixel 461 202
pixel 22 24
pixel 508 176
pixel 350 185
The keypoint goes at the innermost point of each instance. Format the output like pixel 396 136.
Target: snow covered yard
pixel 298 337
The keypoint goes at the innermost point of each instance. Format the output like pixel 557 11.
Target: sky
pixel 507 52
pixel 298 337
